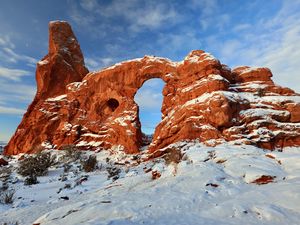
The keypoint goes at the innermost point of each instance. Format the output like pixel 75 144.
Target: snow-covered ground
pixel 211 185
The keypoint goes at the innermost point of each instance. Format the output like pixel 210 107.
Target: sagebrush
pixel 7 197
pixel 89 164
pixel 72 153
pixel 36 165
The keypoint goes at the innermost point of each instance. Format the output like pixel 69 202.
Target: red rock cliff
pixel 203 99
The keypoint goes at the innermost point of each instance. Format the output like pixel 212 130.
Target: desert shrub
pixel 173 155
pixel 7 197
pixel 67 167
pixel 72 153
pixel 260 92
pixel 113 172
pixel 10 223
pixel 89 164
pixel 5 174
pixel 30 180
pixel 36 165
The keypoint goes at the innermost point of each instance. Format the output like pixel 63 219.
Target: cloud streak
pixel 97 63
pixel 13 74
pixel 139 15
pixel 16 92
pixel 11 110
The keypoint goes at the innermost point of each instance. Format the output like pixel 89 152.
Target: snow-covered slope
pixel 211 185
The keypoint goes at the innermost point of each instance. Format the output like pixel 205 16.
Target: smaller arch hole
pixel 113 104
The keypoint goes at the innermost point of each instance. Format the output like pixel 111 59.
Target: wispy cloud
pixel 5 41
pixel 16 92
pixel 9 55
pixel 14 57
pixel 96 63
pixel 271 42
pixel 11 110
pixel 139 15
pixel 150 97
pixel 13 74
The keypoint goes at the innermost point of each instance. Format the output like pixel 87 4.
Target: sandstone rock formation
pixel 203 100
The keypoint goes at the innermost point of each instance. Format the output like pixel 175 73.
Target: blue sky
pixel 256 33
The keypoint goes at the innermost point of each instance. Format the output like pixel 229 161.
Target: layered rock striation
pixel 203 100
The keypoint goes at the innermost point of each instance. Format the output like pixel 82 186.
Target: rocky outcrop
pixel 63 64
pixel 3 162
pixel 203 99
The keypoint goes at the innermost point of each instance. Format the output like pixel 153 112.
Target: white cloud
pixel 272 42
pixel 241 27
pixel 14 57
pixel 230 48
pixel 207 7
pixel 209 16
pixel 9 55
pixel 11 110
pixel 140 15
pixel 152 16
pixel 16 92
pixel 149 96
pixel 174 43
pixel 97 63
pixel 148 99
pixel 13 74
pixel 6 42
pixel 89 5
pixel 79 17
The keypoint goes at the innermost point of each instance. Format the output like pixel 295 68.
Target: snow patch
pixel 58 98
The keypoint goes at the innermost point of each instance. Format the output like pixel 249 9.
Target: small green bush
pixel 36 165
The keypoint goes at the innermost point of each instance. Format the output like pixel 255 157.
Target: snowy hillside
pixel 226 184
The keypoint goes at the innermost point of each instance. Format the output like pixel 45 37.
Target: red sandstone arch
pixel 97 110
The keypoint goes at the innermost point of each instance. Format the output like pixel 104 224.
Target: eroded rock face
pixel 203 99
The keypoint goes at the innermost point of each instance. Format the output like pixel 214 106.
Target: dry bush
pixel 7 197
pixel 89 164
pixel 5 174
pixel 260 92
pixel 172 155
pixel 72 153
pixel 10 223
pixel 113 172
pixel 36 165
pixel 30 180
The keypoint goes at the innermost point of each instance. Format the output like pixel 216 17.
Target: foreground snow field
pixel 211 185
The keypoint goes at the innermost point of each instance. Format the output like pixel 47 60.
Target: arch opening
pixel 149 99
pixel 113 104
pixel 108 107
